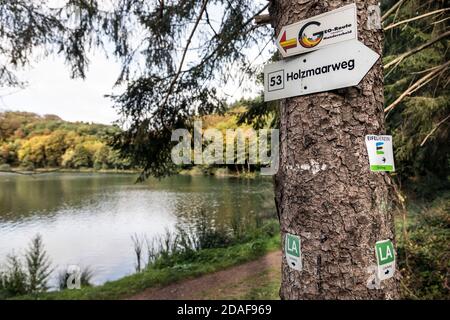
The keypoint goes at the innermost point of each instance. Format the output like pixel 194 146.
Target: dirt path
pixel 255 279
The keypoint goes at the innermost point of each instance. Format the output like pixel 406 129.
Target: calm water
pixel 88 219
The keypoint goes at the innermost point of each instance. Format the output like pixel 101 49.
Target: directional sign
pixel 381 155
pixel 385 259
pixel 293 251
pixel 319 31
pixel 337 66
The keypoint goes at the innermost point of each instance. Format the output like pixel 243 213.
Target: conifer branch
pixel 418 84
pixel 392 9
pixel 415 18
pixel 434 130
pixel 415 50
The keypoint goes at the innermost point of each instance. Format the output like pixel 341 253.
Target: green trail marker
pixel 293 251
pixel 385 259
pixel 381 155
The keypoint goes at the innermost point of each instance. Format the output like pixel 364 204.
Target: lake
pixel 88 219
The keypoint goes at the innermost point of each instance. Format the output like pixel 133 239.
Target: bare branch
pixel 415 18
pixel 211 54
pixel 263 19
pixel 392 9
pixel 415 50
pixel 434 130
pixel 440 21
pixel 188 43
pixel 419 83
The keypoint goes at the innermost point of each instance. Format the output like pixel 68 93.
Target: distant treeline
pixel 32 141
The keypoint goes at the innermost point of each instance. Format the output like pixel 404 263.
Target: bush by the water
pixel 182 247
pixel 26 278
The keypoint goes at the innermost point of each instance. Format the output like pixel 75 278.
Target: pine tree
pixel 342 210
pixel 419 120
pixel 38 266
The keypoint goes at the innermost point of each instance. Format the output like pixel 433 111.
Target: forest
pixel 32 141
pixel 29 141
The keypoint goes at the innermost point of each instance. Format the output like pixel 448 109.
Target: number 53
pixel 276 80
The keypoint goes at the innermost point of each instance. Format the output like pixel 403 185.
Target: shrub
pixel 424 256
pixel 13 281
pixel 209 236
pixel 20 279
pixel 5 167
pixel 38 266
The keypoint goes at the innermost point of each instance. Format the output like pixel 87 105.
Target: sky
pixel 50 90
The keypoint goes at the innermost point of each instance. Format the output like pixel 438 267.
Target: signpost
pixel 338 66
pixel 293 251
pixel 320 54
pixel 381 155
pixel 319 31
pixel 385 259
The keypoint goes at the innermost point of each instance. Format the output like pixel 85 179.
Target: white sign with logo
pixel 338 66
pixel 319 31
pixel 293 251
pixel 381 155
pixel 385 254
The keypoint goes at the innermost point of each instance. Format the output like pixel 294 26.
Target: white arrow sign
pixel 319 31
pixel 338 66
pixel 381 155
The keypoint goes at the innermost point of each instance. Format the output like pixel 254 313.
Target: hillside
pixel 31 141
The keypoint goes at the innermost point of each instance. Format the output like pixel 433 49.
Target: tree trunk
pixel 325 192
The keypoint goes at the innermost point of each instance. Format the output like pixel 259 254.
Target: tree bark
pixel 325 192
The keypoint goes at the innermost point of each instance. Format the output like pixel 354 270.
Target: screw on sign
pixel 293 251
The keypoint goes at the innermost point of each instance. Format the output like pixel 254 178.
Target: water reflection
pixel 88 219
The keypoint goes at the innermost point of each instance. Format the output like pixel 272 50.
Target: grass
pixel 264 285
pixel 202 262
pixel 423 255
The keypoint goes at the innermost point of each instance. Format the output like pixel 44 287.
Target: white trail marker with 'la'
pixel 385 259
pixel 293 251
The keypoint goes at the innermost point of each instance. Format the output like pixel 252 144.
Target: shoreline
pixel 194 171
